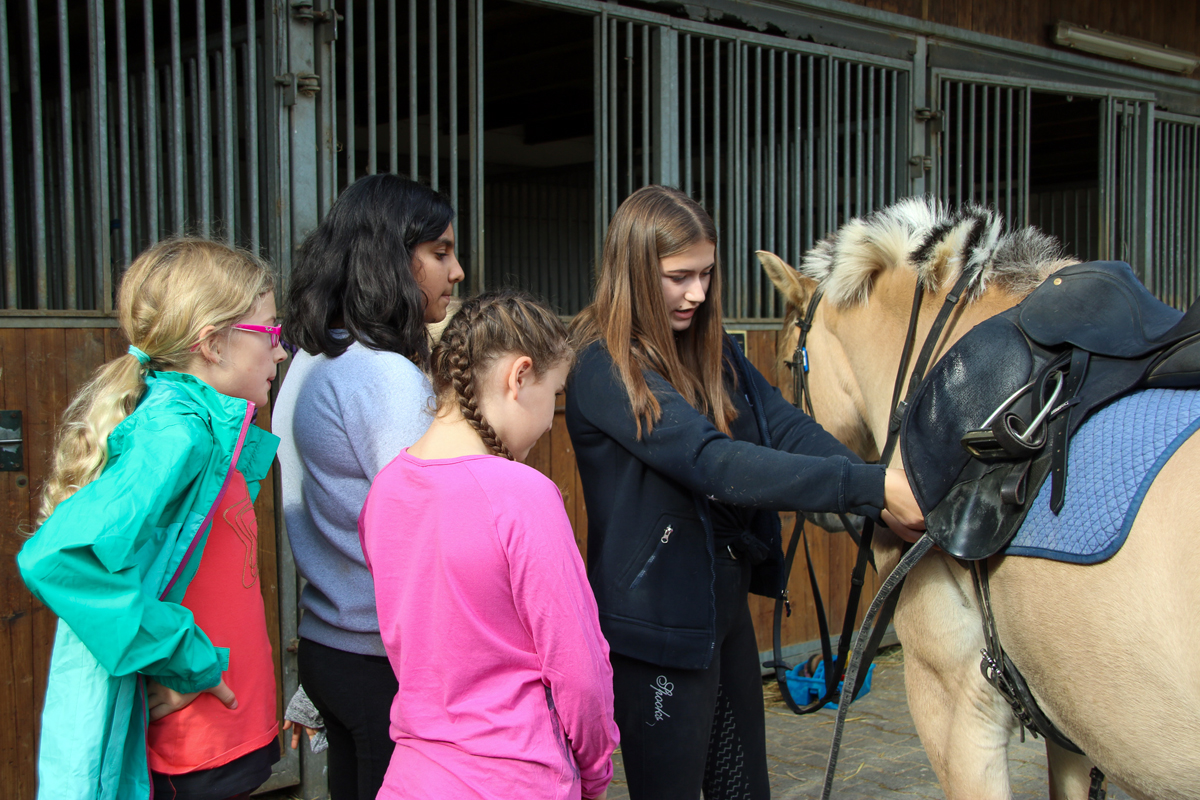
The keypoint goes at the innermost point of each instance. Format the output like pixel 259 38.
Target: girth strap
pixel 1002 673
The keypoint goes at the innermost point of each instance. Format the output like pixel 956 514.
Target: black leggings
pixel 354 694
pixel 683 731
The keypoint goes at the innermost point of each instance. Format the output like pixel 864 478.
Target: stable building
pixel 125 121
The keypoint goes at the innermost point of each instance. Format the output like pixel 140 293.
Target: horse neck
pixel 873 337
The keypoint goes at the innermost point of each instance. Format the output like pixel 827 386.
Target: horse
pixel 1111 651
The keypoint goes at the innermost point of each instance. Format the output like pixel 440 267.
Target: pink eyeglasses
pixel 272 330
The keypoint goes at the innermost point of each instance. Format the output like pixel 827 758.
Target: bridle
pixel 882 608
pixel 800 365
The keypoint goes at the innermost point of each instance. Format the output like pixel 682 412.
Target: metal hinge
pixel 306 83
pixel 12 442
pixel 303 10
pixel 927 114
pixel 918 165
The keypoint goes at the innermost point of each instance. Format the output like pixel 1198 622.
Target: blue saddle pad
pixel 1114 457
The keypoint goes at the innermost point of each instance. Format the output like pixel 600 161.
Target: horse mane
pixel 937 244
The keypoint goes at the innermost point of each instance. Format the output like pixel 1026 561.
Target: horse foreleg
pixel 964 733
pixel 963 722
pixel 1070 773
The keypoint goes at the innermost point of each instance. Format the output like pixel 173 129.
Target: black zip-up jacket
pixel 650 534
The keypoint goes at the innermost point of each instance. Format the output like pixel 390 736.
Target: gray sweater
pixel 341 420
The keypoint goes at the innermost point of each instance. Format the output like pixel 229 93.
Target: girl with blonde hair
pixel 505 687
pixel 161 679
pixel 685 454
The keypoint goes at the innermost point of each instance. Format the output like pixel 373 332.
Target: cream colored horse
pixel 1111 651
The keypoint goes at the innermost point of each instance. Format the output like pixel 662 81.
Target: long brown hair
pixel 630 315
pixel 485 328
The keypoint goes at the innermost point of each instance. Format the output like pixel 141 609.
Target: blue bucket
pixel 805 690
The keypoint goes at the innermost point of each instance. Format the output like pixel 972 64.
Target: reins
pixel 879 613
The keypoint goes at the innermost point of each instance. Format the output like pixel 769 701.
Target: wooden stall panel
pixel 18 712
pixel 40 371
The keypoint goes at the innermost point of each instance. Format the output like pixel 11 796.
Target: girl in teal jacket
pixel 145 454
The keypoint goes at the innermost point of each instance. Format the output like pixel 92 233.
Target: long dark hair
pixel 355 270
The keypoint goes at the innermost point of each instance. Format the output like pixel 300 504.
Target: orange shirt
pixel 225 599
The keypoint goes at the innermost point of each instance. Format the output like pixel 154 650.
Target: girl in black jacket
pixel 685 454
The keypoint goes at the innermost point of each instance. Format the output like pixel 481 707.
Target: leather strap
pixel 890 586
pixel 927 349
pixel 1060 428
pixel 1002 673
pixel 799 365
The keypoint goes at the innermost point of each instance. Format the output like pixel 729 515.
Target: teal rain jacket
pixel 113 562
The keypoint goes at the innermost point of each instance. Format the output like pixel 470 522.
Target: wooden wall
pixel 40 370
pixel 43 368
pixel 1175 23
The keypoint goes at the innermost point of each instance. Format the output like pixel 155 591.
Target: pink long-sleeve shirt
pixel 492 630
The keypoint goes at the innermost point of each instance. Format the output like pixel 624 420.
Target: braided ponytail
pixel 485 328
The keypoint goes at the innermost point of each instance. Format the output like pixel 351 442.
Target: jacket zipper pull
pixel 667 534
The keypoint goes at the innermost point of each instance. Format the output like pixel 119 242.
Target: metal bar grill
pixel 981 151
pixel 161 138
pixel 433 95
pixel 372 94
pixel 8 203
pixel 1175 247
pixel 781 140
pixel 783 147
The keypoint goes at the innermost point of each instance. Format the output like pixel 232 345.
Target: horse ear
pixel 796 287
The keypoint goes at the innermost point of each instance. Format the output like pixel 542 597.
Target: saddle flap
pixel 977 374
pixel 1098 306
pixel 1179 367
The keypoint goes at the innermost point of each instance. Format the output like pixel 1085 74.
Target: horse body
pixel 1109 650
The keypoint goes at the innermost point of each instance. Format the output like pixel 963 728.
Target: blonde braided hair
pixel 485 328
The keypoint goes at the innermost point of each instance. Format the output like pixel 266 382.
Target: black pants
pixel 231 781
pixel 354 694
pixel 683 731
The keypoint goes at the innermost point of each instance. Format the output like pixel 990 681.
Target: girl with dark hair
pixel 378 268
pixel 685 454
pixel 505 686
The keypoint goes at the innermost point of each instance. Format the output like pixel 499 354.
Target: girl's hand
pixel 163 701
pixel 287 723
pixel 901 506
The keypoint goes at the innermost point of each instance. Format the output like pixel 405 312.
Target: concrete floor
pixel 881 756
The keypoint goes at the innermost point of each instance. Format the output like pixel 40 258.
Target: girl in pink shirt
pixel 484 606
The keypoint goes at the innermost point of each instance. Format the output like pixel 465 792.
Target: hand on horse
pixel 901 512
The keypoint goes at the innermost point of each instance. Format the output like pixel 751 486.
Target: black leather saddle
pixel 994 417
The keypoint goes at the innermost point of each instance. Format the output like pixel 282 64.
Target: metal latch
pixel 306 83
pixel 12 443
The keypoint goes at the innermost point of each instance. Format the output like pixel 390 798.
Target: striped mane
pixel 938 245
